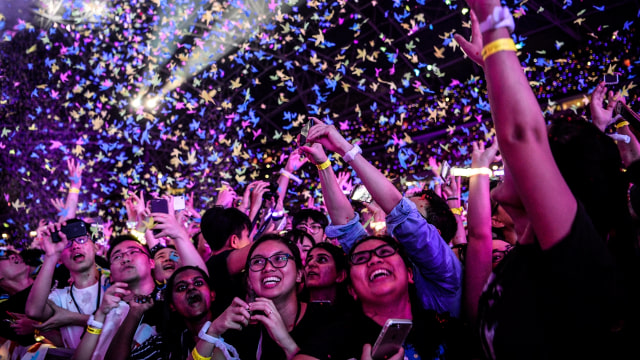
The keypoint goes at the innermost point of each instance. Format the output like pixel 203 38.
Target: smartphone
pixel 72 231
pixel 623 110
pixel 611 79
pixel 392 336
pixel 178 203
pixel 360 193
pixel 302 140
pixel 445 172
pixel 159 206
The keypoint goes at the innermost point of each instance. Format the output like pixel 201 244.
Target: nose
pixel 374 259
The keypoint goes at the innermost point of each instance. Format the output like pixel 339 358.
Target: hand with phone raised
pixel 602 116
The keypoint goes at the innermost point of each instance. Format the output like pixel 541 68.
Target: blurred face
pixel 320 269
pixel 11 267
pixel 130 262
pixel 304 245
pixel 191 295
pixel 79 255
pixel 166 262
pixel 272 270
pixel 381 277
pixel 499 250
pixel 312 228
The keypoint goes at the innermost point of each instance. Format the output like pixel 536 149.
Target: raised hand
pixel 603 116
pixel 481 157
pixel 472 49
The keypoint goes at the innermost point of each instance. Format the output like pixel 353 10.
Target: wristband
pixel 206 337
pixel 74 190
pixel 480 171
pixel 94 331
pixel 501 17
pixel 324 165
pixel 196 355
pixel 291 176
pixel 504 44
pixel 621 124
pixel 93 323
pixel 452 198
pixel 351 154
pixel 457 211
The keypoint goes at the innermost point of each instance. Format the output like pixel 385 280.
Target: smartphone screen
pixel 360 193
pixel 611 79
pixel 159 206
pixel 302 140
pixel 445 172
pixel 392 336
pixel 178 203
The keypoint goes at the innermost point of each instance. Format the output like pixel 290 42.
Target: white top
pixel 86 300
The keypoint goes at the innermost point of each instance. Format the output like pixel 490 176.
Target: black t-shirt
pixel 553 304
pixel 15 304
pixel 224 284
pixel 321 333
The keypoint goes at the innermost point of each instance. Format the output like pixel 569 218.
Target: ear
pixel 299 276
pixel 496 223
pixel 212 295
pixel 410 275
pixel 342 276
pixel 352 292
pixel 233 241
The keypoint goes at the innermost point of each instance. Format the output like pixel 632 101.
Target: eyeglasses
pixel 131 252
pixel 498 255
pixel 381 251
pixel 258 263
pixel 310 228
pixel 80 240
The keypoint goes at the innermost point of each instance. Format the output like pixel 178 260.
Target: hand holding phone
pixel 158 206
pixel 392 336
pixel 302 140
pixel 445 172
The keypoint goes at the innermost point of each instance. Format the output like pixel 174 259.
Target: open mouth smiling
pixel 379 274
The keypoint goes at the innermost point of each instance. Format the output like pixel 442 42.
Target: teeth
pixel 378 273
pixel 271 279
pixel 194 298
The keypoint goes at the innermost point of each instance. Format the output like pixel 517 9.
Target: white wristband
pixel 351 154
pixel 93 323
pixel 206 337
pixel 501 17
pixel 291 176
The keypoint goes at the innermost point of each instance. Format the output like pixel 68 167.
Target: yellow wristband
pixel 324 165
pixel 74 190
pixel 94 331
pixel 457 211
pixel 621 124
pixel 197 356
pixel 504 44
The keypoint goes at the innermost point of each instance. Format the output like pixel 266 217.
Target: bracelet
pixel 621 124
pixel 229 351
pixel 291 176
pixel 501 17
pixel 74 190
pixel 93 323
pixel 351 154
pixel 196 355
pixel 457 211
pixel 504 44
pixel 94 331
pixel 452 198
pixel 324 165
pixel 480 171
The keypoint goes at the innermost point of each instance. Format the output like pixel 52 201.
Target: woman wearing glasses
pixel 382 282
pixel 281 325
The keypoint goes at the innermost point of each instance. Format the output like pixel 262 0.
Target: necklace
pixel 97 298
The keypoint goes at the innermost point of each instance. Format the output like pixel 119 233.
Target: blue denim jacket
pixel 437 272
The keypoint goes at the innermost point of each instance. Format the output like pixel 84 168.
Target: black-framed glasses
pixel 258 263
pixel 129 253
pixel 80 240
pixel 310 228
pixel 381 251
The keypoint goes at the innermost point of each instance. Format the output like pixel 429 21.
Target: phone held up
pixel 159 206
pixel 72 231
pixel 302 139
pixel 445 172
pixel 392 336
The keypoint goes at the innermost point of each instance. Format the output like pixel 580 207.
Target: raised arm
pixel 337 204
pixel 37 306
pixel 478 256
pixel 170 227
pixel 381 189
pixel 522 134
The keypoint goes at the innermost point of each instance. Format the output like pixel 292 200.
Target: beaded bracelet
pixel 504 44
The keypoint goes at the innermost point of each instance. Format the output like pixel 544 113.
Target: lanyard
pixel 97 299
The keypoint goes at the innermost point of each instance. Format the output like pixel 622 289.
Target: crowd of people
pixel 541 265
